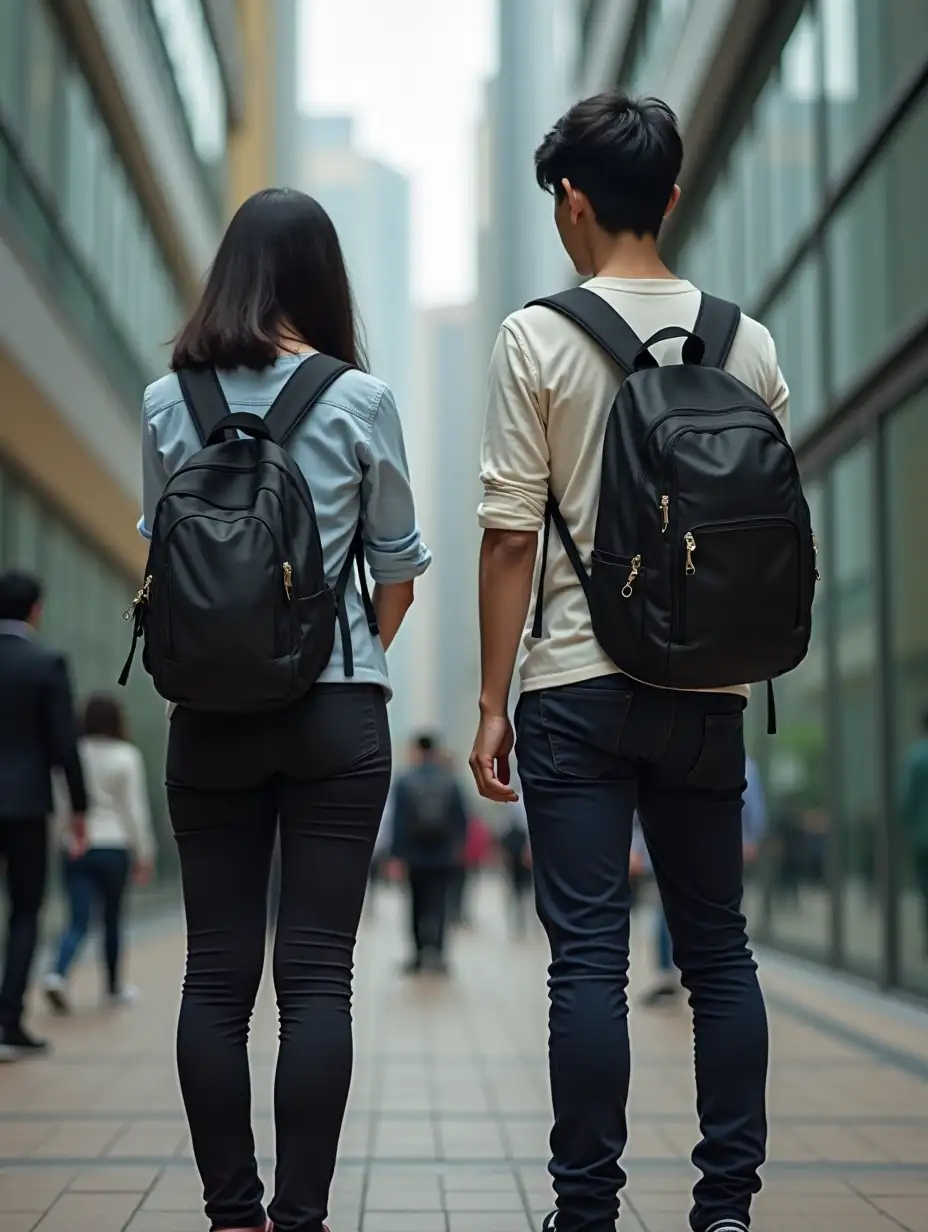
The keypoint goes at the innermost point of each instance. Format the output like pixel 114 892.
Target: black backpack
pixel 704 561
pixel 235 608
pixel 431 799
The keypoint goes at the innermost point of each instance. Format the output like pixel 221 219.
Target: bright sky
pixel 411 73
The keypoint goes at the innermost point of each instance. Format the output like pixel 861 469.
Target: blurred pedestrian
pixel 429 834
pixel 38 733
pixel 517 863
pixel 119 847
pixel 753 828
pixel 914 810
pixel 274 337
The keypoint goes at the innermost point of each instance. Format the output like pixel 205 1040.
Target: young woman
pixel 119 843
pixel 277 293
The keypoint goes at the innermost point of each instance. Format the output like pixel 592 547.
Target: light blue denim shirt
pixel 349 447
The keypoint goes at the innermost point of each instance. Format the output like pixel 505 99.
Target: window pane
pixel 43 68
pixel 795 322
pixel 906 468
pixel 25 542
pixel 796 150
pixel 879 262
pixel 197 73
pixel 798 899
pixel 11 55
pixel 871 49
pixel 80 163
pixel 858 801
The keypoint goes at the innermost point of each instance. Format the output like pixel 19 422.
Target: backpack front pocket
pixel 739 585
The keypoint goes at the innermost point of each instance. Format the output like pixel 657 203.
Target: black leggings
pixel 322 768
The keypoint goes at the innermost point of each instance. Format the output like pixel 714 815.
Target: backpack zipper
pixel 628 588
pixel 689 542
pixel 142 597
pixel 665 514
pixel 288 580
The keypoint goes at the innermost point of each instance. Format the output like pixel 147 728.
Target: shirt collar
pixel 17 628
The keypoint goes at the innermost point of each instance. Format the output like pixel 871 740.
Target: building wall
pixel 253 148
pixel 369 205
pixel 113 176
pixel 451 645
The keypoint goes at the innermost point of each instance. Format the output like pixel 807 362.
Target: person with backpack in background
pixel 516 854
pixel 273 468
pixel 120 848
pixel 428 838
pixel 753 828
pixel 658 504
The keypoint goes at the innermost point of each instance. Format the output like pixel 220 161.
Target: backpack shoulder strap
pixel 204 398
pixel 717 324
pixel 302 391
pixel 596 318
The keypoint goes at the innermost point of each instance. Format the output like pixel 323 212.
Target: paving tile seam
pixel 814 1120
pixel 674 1164
pixel 888 1054
pixel 867 1198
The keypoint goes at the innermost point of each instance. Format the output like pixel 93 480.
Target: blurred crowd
pixel 81 770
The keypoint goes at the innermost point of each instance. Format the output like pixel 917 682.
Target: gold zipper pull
pixel 140 598
pixel 665 513
pixel 288 579
pixel 690 543
pixel 818 576
pixel 628 587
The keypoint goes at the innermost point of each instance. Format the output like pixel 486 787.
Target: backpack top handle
pixel 241 421
pixel 694 348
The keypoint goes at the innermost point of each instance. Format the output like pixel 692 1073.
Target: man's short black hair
pixel 426 742
pixel 623 154
pixel 19 593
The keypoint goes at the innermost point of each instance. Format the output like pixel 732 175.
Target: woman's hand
pixel 142 872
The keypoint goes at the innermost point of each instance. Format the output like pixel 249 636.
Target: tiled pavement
pixel 448 1121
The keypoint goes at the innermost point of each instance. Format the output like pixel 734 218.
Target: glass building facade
pixel 808 216
pixel 69 200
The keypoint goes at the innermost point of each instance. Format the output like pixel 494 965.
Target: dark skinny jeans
pixel 322 768
pixel 100 876
pixel 588 755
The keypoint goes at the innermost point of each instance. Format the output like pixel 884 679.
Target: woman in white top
pixel 119 842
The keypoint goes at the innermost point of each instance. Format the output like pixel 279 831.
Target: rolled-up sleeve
pixel 153 473
pixel 514 461
pixel 392 542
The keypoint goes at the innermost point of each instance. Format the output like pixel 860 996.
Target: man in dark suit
pixel 37 733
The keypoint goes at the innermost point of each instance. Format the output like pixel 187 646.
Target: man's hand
pixel 750 853
pixel 489 761
pixel 394 870
pixel 636 864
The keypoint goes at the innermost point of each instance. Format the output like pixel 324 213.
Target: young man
pixel 593 743
pixel 38 732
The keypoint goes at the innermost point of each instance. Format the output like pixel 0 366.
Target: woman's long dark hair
pixel 103 717
pixel 279 270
